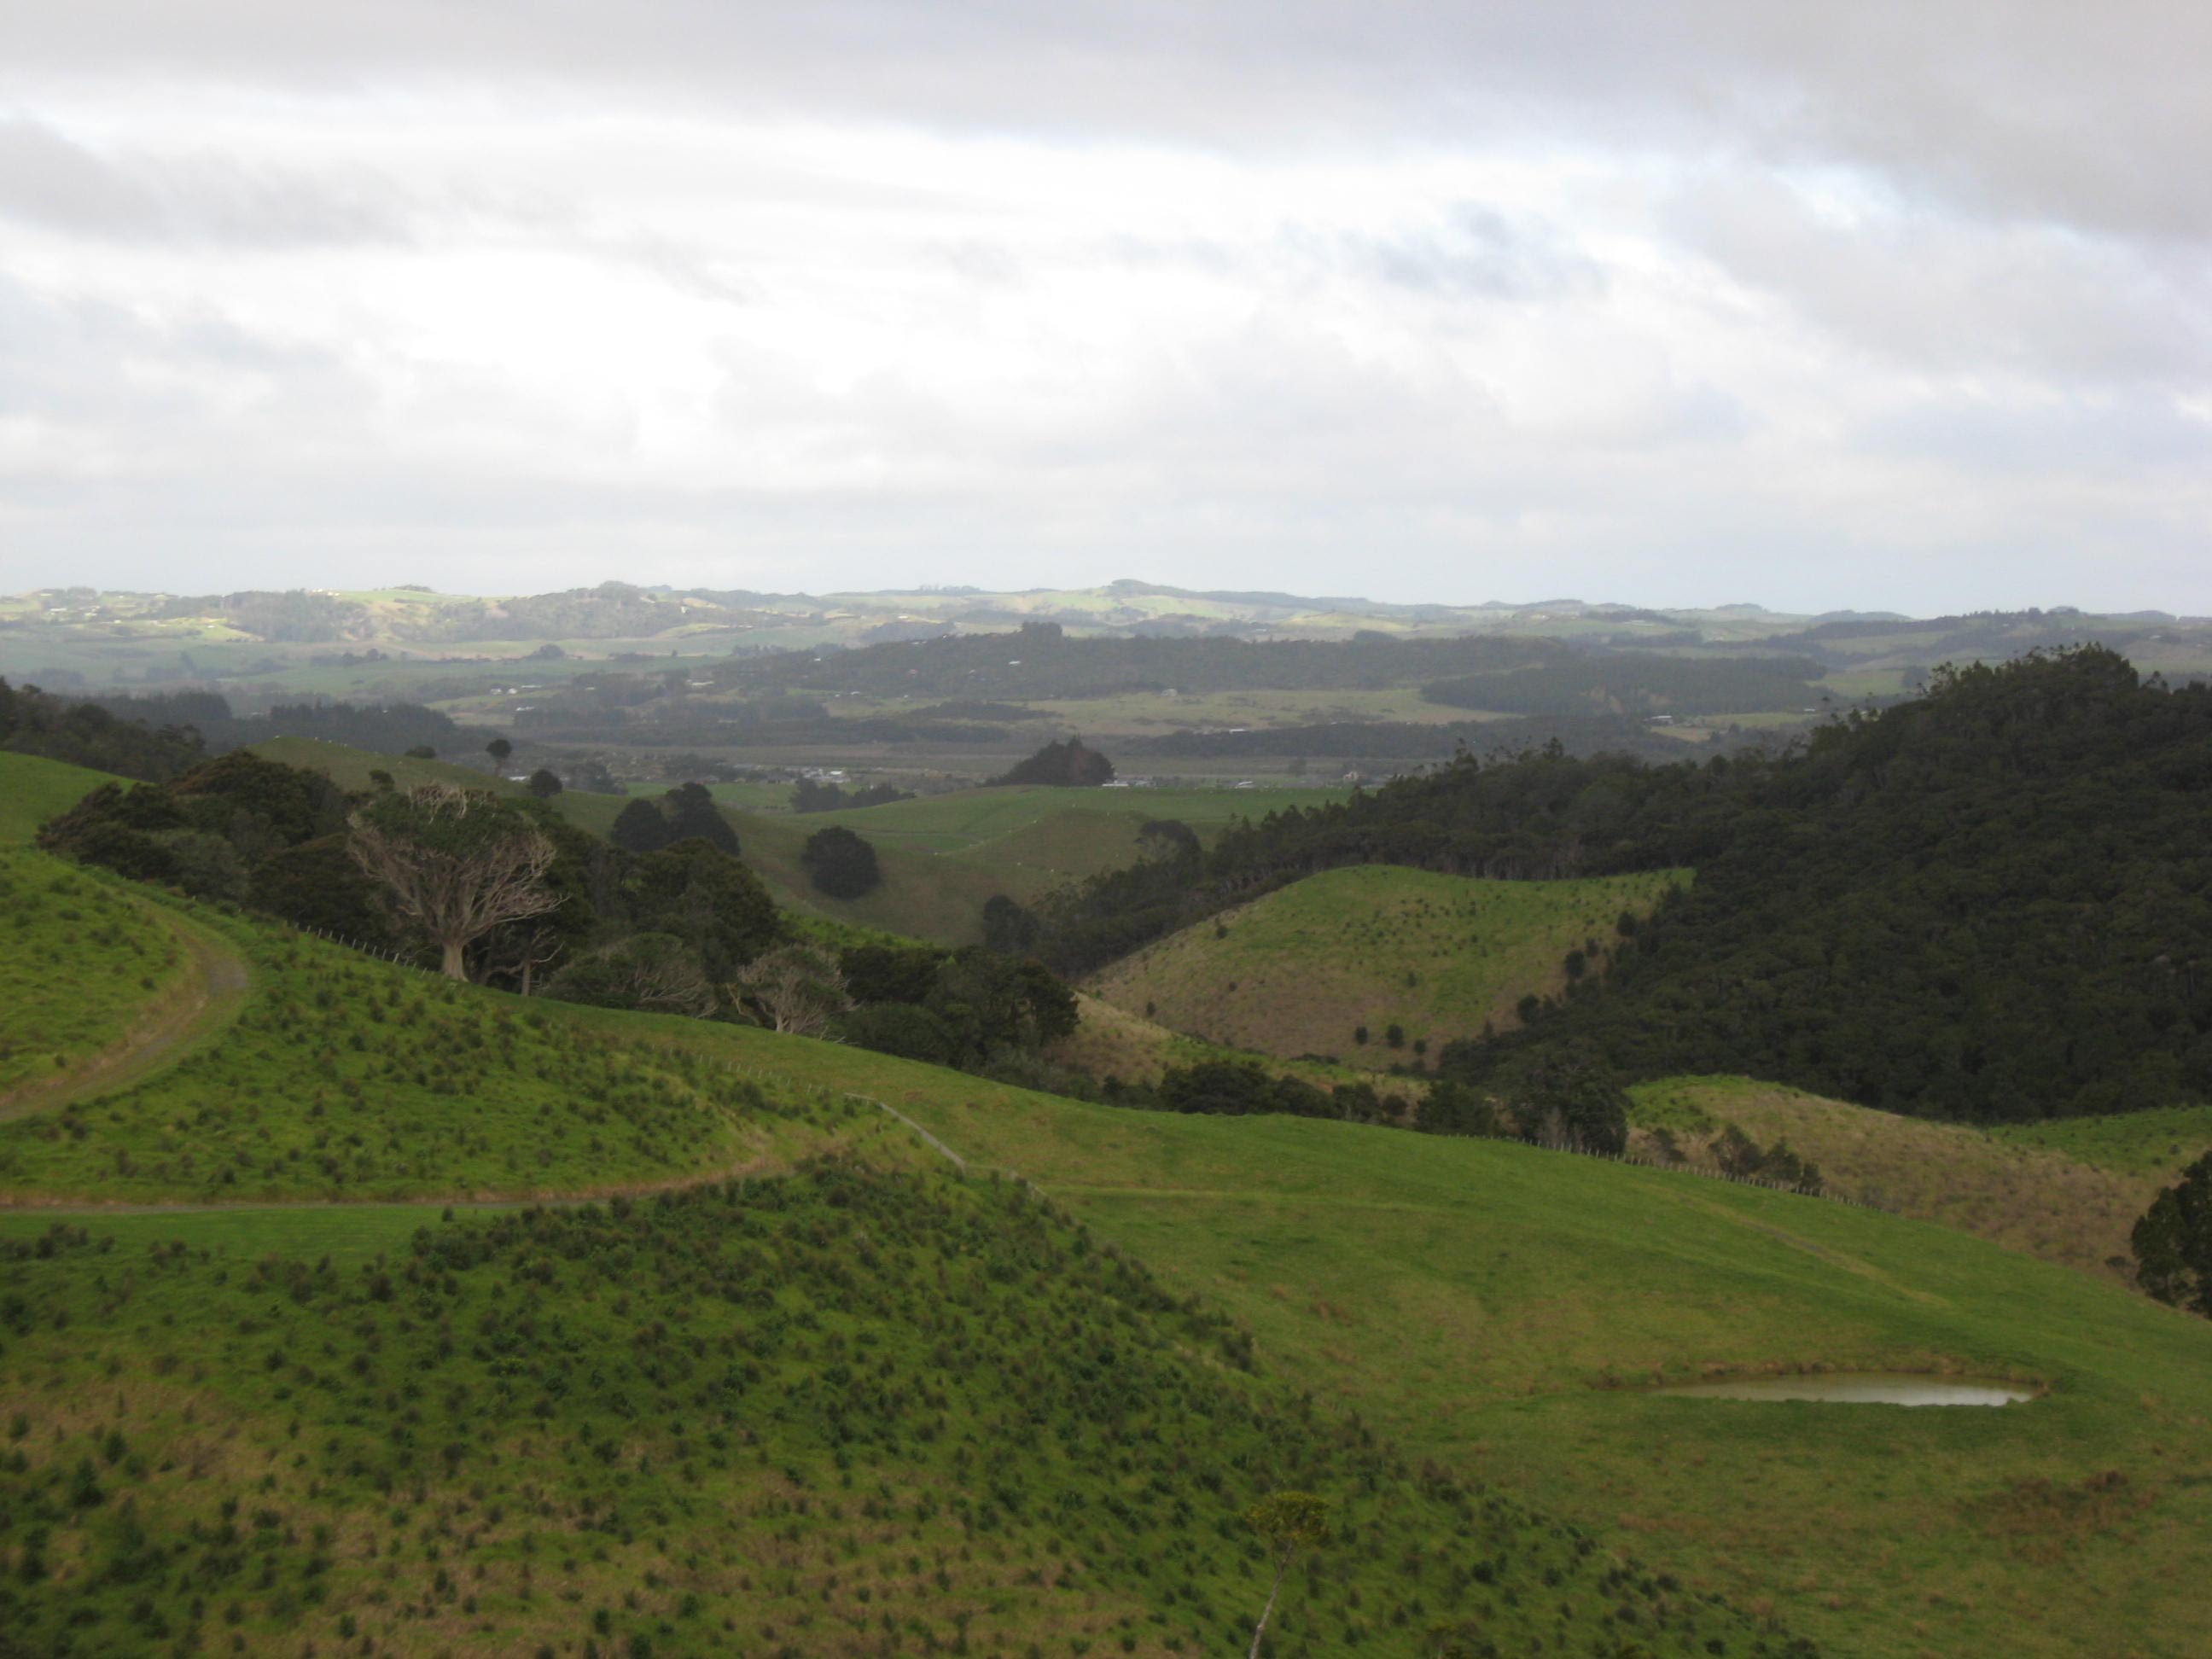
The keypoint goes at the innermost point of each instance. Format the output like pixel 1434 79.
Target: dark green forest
pixel 1990 903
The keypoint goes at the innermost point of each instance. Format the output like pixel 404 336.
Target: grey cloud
pixel 1937 293
pixel 48 180
pixel 2032 108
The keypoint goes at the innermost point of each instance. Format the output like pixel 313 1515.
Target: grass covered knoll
pixel 82 964
pixel 1498 1308
pixel 841 1413
pixel 33 789
pixel 1301 970
pixel 343 1077
pixel 2158 1143
pixel 1999 1185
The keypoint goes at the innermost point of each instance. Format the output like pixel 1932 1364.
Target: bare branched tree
pixel 795 987
pixel 457 864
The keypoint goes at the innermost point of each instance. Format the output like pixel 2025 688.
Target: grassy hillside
pixel 844 1403
pixel 769 1419
pixel 2157 1144
pixel 81 962
pixel 1498 1308
pixel 1442 956
pixel 343 1077
pixel 33 789
pixel 2024 1195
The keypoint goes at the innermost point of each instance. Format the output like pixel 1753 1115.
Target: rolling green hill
pixel 1500 1308
pixel 342 1078
pixel 1441 956
pixel 816 1395
pixel 2002 1185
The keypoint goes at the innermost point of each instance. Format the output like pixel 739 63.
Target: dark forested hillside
pixel 1993 902
pixel 34 722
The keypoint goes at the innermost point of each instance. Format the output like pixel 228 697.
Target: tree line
pixel 1989 903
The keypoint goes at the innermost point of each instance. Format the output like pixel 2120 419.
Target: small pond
pixel 1862 1388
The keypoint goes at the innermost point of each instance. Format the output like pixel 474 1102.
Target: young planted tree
pixel 796 987
pixel 456 863
pixel 1289 1524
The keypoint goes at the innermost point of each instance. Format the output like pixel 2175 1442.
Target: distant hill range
pixel 615 618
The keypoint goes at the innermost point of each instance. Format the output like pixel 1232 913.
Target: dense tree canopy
pixel 2173 1242
pixel 841 863
pixel 1070 765
pixel 1989 903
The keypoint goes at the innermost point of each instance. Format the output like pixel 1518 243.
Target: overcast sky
pixel 1875 305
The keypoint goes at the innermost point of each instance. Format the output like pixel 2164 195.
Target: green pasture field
pixel 1296 971
pixel 2156 1144
pixel 81 961
pixel 2004 1186
pixel 1502 1309
pixel 33 789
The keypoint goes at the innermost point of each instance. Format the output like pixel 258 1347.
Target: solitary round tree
pixel 499 749
pixel 544 784
pixel 457 864
pixel 841 863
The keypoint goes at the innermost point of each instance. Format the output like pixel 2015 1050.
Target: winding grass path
pixel 205 999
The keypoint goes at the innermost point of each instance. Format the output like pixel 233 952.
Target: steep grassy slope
pixel 2157 1144
pixel 2022 1194
pixel 1498 1308
pixel 1442 956
pixel 81 962
pixel 33 789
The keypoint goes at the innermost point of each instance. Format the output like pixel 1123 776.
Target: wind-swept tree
pixel 457 864
pixel 796 987
pixel 1289 1524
